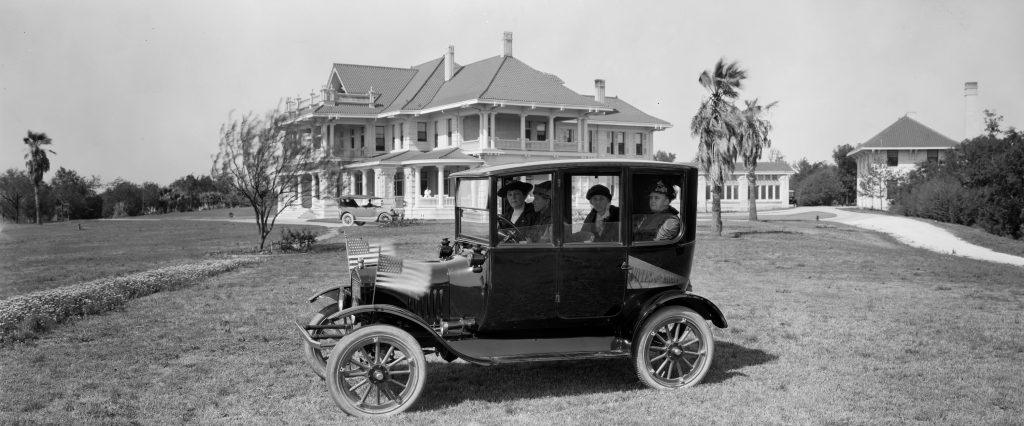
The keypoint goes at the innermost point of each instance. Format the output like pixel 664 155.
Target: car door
pixel 592 278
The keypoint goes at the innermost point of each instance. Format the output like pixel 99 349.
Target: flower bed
pixel 26 315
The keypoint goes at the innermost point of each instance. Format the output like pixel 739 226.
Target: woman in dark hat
pixel 603 221
pixel 521 213
pixel 662 223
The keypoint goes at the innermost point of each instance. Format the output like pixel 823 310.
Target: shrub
pixel 292 240
pixel 399 221
pixel 25 316
pixel 941 198
pixel 821 188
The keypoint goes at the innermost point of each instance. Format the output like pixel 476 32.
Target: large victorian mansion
pixel 397 133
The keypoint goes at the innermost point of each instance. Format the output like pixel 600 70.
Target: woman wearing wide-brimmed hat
pixel 521 213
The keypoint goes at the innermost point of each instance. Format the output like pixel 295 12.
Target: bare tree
pixel 263 159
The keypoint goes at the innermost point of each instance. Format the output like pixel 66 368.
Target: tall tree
pixel 15 188
pixel 715 125
pixel 753 140
pixel 262 159
pixel 37 162
pixel 847 172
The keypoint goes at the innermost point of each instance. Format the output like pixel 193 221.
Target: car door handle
pixel 625 266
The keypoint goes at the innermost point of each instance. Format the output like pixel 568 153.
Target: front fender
pixel 332 293
pixel 702 306
pixel 408 321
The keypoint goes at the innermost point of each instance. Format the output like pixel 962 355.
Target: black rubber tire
pixel 674 341
pixel 357 363
pixel 347 219
pixel 384 218
pixel 316 357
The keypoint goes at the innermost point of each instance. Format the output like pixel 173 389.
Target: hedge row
pixel 26 315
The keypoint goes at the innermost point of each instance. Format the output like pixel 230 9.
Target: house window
pixel 893 158
pixel 362 138
pixel 449 123
pixel 394 136
pixel 542 132
pixel 436 134
pixel 590 141
pixel 639 139
pixel 611 142
pixel 529 130
pixel 933 156
pixel 380 138
pixel 352 137
pixel 421 132
pixel 401 133
pixel 621 136
pixel 568 135
pixel 359 184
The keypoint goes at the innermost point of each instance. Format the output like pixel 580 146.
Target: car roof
pixel 549 165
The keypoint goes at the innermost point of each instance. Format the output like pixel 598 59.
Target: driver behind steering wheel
pixel 521 213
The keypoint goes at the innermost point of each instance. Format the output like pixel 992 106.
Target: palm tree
pixel 753 139
pixel 716 125
pixel 37 163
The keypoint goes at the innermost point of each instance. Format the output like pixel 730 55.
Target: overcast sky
pixel 139 89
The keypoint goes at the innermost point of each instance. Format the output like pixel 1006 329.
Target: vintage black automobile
pixel 598 267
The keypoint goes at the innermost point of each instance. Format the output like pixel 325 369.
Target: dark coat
pixel 526 219
pixel 609 227
pixel 648 225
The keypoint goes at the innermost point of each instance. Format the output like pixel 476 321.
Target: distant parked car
pixel 358 209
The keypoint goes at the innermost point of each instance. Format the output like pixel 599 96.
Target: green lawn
pixel 57 254
pixel 828 325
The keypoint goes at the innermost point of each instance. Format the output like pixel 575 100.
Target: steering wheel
pixel 509 235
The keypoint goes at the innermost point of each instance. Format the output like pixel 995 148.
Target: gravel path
pixel 908 231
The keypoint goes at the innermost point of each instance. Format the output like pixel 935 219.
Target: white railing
pixel 507 144
pixel 566 147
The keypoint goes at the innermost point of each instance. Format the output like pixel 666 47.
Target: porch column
pixel 458 130
pixel 366 183
pixel 440 186
pixel 378 183
pixel 551 132
pixel 492 134
pixel 482 131
pixel 522 130
pixel 407 191
pixel 323 139
pixel 416 187
pixel 330 140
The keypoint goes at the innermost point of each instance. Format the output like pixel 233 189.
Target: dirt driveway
pixel 908 231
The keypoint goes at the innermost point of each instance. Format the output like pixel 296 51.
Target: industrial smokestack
pixel 972 117
pixel 508 45
pixel 599 90
pixel 449 63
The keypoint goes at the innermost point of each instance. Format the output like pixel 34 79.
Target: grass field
pixel 57 254
pixel 828 325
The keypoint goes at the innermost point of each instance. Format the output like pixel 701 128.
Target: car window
pixel 471 209
pixel 593 216
pixel 656 213
pixel 524 209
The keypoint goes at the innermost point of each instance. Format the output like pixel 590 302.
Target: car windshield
pixel 471 209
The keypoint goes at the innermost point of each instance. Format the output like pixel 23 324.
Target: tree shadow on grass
pixel 452 384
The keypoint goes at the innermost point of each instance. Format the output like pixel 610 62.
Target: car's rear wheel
pixel 347 219
pixel 377 370
pixel 384 218
pixel 673 349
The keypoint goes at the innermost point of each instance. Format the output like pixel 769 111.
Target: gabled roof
pixel 386 81
pixel 906 133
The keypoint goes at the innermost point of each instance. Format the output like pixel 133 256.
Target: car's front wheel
pixel 377 370
pixel 673 349
pixel 347 219
pixel 384 218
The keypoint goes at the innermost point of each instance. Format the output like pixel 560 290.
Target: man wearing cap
pixel 603 221
pixel 662 223
pixel 521 214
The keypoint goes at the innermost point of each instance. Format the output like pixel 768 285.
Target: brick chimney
pixel 599 90
pixel 449 63
pixel 972 117
pixel 508 45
